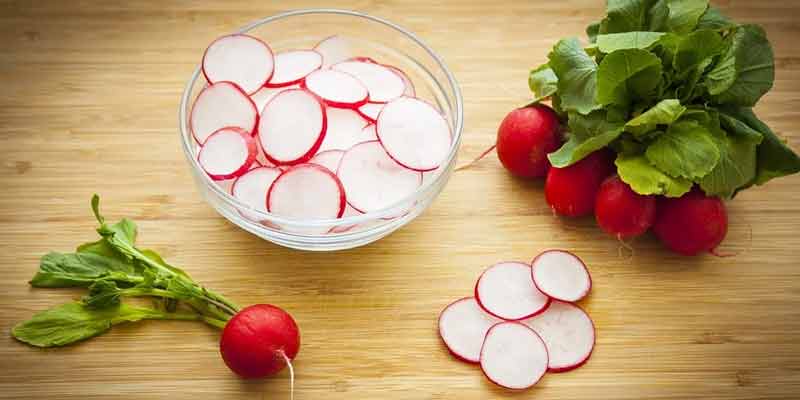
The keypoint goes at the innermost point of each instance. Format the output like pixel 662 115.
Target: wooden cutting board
pixel 89 93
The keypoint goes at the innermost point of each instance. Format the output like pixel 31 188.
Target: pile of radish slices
pixel 522 321
pixel 312 134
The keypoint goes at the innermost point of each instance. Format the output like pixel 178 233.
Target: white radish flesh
pixel 349 211
pixel 336 88
pixel 292 127
pixel 306 191
pixel 382 83
pixel 414 133
pixel 344 127
pixel 369 133
pixel 329 159
pixel 251 189
pixel 506 291
pixel 241 59
pixel 410 90
pixel 561 275
pixel 265 94
pixel 221 105
pixel 334 49
pixel 568 333
pixel 371 111
pixel 227 153
pixel 292 66
pixel 462 326
pixel 513 356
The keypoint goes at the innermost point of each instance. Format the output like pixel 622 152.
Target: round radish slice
pixel 251 189
pixel 462 326
pixel 329 159
pixel 369 133
pixel 363 59
pixel 334 49
pixel 561 275
pixel 343 130
pixel 506 291
pixel 292 66
pixel 338 89
pixel 513 356
pixel 227 153
pixel 292 127
pixel 414 133
pixel 241 59
pixel 349 211
pixel 306 191
pixel 410 91
pixel 265 94
pixel 221 105
pixel 568 333
pixel 374 181
pixel 382 84
pixel 371 111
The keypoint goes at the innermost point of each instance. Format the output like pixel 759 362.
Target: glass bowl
pixel 368 36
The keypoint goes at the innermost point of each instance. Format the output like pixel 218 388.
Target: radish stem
pixel 476 159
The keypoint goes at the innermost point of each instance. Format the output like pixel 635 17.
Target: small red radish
pixel 414 133
pixel 692 223
pixel 382 83
pixel 568 333
pixel 513 356
pixel 227 153
pixel 221 105
pixel 571 191
pixel 337 88
pixel 561 275
pixel 621 212
pixel 524 139
pixel 462 326
pixel 292 127
pixel 241 59
pixel 293 65
pixel 506 290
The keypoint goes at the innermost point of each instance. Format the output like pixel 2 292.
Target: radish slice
pixel 369 133
pixel 568 333
pixel 414 133
pixel 371 111
pixel 462 326
pixel 410 90
pixel 513 356
pixel 265 94
pixel 292 66
pixel 343 130
pixel 336 88
pixel 506 291
pixel 251 189
pixel 561 275
pixel 329 159
pixel 227 153
pixel 363 59
pixel 334 49
pixel 374 181
pixel 292 127
pixel 349 211
pixel 382 84
pixel 306 191
pixel 241 59
pixel 221 105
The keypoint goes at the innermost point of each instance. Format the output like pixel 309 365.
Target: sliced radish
pixel 568 333
pixel 221 105
pixel 337 88
pixel 241 59
pixel 506 291
pixel 292 66
pixel 371 111
pixel 382 83
pixel 265 94
pixel 410 90
pixel 561 275
pixel 227 153
pixel 414 133
pixel 329 159
pixel 251 189
pixel 334 49
pixel 349 211
pixel 513 356
pixel 292 127
pixel 369 133
pixel 462 326
pixel 306 191
pixel 374 181
pixel 343 129
pixel 363 59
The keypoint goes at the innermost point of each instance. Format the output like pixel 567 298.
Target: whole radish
pixel 621 212
pixel 524 139
pixel 571 191
pixel 692 223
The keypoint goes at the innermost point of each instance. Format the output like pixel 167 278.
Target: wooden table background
pixel 89 92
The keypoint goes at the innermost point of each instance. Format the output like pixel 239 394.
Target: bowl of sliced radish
pixel 321 129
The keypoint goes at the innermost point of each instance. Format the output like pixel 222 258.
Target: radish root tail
pixel 291 374
pixel 721 254
pixel 626 246
pixel 475 161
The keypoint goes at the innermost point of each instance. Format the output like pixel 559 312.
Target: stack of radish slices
pixel 522 321
pixel 312 134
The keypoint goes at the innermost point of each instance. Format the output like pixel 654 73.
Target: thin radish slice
pixel 261 158
pixel 227 153
pixel 334 49
pixel 506 291
pixel 265 94
pixel 374 181
pixel 513 356
pixel 251 189
pixel 241 59
pixel 382 84
pixel 292 66
pixel 414 133
pixel 349 211
pixel 329 159
pixel 410 90
pixel 568 333
pixel 221 105
pixel 292 127
pixel 369 133
pixel 561 275
pixel 462 326
pixel 306 191
pixel 371 111
pixel 336 88
pixel 363 59
pixel 343 130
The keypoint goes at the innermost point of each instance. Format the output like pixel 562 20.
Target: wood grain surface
pixel 89 92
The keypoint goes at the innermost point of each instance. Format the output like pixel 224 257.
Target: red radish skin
pixel 363 59
pixel 223 63
pixel 227 153
pixel 255 340
pixel 524 139
pixel 691 224
pixel 561 275
pixel 571 191
pixel 621 212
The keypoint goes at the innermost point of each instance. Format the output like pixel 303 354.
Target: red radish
pixel 371 111
pixel 251 189
pixel 306 191
pixel 221 105
pixel 241 59
pixel 260 340
pixel 343 130
pixel 506 290
pixel 571 191
pixel 692 223
pixel 334 49
pixel 513 356
pixel 462 326
pixel 265 94
pixel 372 180
pixel 382 83
pixel 524 139
pixel 414 133
pixel 561 275
pixel 329 159
pixel 621 212
pixel 568 333
pixel 369 133
pixel 227 153
pixel 410 90
pixel 294 65
pixel 292 127
pixel 336 88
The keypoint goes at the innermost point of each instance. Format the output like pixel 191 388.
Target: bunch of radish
pixel 522 321
pixel 314 133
